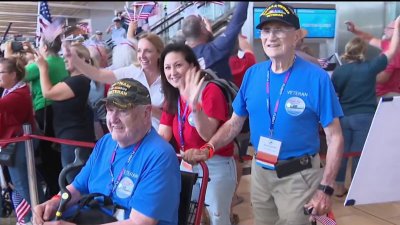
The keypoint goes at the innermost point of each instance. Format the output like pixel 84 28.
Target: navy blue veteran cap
pixel 279 12
pixel 127 93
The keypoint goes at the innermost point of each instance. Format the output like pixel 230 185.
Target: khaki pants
pixel 280 201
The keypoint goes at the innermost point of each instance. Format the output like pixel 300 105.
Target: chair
pixel 186 214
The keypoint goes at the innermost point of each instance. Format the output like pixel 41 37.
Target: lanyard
pixel 273 118
pixel 181 122
pixel 115 183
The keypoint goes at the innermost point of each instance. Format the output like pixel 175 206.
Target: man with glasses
pixel 285 99
pixel 132 164
pixel 387 81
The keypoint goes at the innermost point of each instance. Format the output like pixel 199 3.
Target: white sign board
pixel 377 177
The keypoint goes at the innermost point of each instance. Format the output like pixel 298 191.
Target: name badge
pixel 119 214
pixel 268 152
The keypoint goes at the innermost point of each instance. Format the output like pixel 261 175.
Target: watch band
pixel 326 189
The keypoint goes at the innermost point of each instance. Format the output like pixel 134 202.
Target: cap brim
pixel 268 20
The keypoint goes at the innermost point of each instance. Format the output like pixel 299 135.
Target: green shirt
pixel 57 73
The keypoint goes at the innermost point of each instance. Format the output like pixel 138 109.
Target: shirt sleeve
pixel 239 103
pixel 78 84
pixel 32 72
pixel 378 64
pixel 167 119
pixel 329 107
pixel 214 102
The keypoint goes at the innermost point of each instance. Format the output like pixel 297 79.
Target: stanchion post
pixel 30 160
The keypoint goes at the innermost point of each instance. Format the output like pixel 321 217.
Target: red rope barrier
pixel 56 140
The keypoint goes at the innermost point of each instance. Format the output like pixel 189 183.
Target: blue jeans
pixel 220 189
pixel 19 176
pixel 68 156
pixel 355 130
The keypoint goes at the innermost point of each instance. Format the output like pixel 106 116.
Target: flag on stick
pixel 21 207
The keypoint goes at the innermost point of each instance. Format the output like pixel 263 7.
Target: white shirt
pixel 156 93
pixel 117 34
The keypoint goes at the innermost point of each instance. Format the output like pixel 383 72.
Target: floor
pixel 374 214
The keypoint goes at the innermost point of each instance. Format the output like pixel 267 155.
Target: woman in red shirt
pixel 192 126
pixel 15 110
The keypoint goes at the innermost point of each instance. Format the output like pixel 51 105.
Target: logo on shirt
pixel 125 188
pixel 295 106
pixel 191 120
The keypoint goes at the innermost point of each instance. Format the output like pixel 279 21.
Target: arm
pixel 47 210
pixel 394 42
pixel 58 92
pixel 244 45
pixel 109 28
pixel 369 38
pixel 165 132
pixel 320 201
pixel 93 73
pixel 205 126
pixel 225 41
pixel 383 77
pixel 390 53
pixel 307 57
pixel 224 135
pixel 132 31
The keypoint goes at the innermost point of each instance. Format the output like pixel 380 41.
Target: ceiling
pixel 23 15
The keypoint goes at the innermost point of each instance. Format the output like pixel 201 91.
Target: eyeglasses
pixel 279 32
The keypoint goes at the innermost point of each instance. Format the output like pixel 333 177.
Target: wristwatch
pixel 326 189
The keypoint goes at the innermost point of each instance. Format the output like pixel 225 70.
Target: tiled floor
pixel 374 214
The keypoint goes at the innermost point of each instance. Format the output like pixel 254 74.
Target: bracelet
pixel 211 149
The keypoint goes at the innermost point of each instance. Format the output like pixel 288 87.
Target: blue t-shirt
pixel 151 182
pixel 308 98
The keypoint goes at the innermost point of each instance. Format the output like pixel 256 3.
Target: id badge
pixel 119 214
pixel 268 152
pixel 185 166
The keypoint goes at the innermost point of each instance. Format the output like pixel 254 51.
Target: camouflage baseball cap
pixel 126 93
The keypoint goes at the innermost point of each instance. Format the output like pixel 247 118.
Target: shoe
pixel 342 195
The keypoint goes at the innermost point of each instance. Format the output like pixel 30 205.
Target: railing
pixel 172 22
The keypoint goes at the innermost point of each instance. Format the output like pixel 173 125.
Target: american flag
pixel 326 220
pixel 44 18
pixel 145 10
pixel 21 206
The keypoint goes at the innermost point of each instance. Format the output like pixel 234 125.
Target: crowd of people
pixel 149 104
